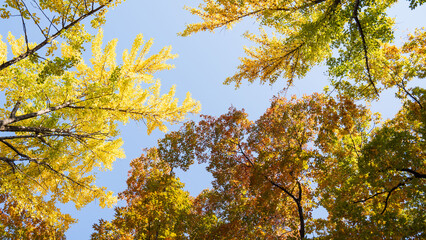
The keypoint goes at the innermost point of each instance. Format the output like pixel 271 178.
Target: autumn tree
pixel 157 207
pixel 263 171
pixel 350 37
pixel 370 182
pixel 16 223
pixel 301 154
pixel 373 185
pixel 59 120
pixel 319 151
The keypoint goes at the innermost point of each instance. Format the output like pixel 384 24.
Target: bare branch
pixel 44 14
pixel 35 22
pixel 24 27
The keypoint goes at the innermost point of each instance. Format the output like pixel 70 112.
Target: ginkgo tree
pixel 59 120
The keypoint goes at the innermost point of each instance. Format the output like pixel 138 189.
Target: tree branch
pixel 415 173
pixel 24 27
pixel 44 164
pixel 8 121
pixel 49 39
pixel 33 129
pixel 9 161
pixel 370 197
pixel 364 45
pixel 409 94
pixel 15 109
pixel 389 194
pixel 131 111
pixel 14 149
pixel 297 200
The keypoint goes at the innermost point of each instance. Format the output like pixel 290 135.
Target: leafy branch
pixel 297 199
pixel 49 39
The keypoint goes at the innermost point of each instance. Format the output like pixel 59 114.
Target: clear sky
pixel 204 61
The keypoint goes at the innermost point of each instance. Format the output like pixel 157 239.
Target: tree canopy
pixel 60 117
pixel 327 150
pixel 322 151
pixel 351 37
pixel 300 155
pixel 157 206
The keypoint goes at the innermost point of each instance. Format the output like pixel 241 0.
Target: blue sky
pixel 204 61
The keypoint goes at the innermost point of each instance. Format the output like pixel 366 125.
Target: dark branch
pixel 14 149
pixel 416 174
pixel 300 210
pixel 44 14
pixel 9 161
pixel 33 114
pixel 28 158
pixel 15 109
pixel 389 194
pixel 24 27
pixel 370 197
pixel 49 39
pixel 364 45
pixel 297 200
pixel 402 86
pixel 35 21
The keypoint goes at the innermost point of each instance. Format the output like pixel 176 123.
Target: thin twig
pixel 24 27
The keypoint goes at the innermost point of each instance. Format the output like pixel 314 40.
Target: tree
pixel 21 224
pixel 303 154
pixel 349 36
pixel 54 20
pixel 262 171
pixel 386 166
pixel 60 116
pixel 157 206
pixel 319 151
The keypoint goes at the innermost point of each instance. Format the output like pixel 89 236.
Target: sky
pixel 204 61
